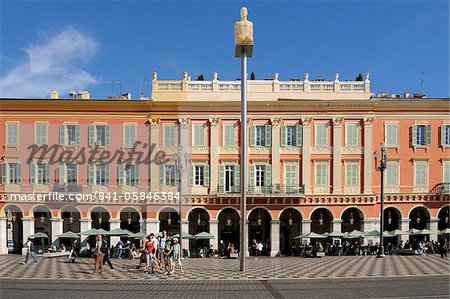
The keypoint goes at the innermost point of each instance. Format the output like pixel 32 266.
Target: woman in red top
pixel 150 248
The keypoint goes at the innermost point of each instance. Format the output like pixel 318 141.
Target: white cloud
pixel 52 63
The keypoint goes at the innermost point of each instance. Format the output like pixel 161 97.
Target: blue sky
pixel 85 44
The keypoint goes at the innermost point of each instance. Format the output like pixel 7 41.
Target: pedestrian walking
pixel 176 255
pixel 119 247
pixel 442 248
pixel 98 254
pixel 106 252
pixel 150 251
pixel 30 252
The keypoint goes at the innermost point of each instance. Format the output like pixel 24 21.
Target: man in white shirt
pixel 260 248
pixel 30 252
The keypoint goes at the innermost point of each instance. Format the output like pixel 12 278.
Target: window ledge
pixel 11 146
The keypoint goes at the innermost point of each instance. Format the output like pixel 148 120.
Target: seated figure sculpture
pixel 243 29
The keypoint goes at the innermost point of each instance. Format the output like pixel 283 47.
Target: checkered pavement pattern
pixel 263 268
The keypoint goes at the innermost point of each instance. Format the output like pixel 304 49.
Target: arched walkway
pixel 14 229
pixel 198 222
pixel 229 228
pixel 130 219
pixel 259 228
pixel 352 219
pixel 321 221
pixel 169 221
pixel 290 227
pixel 100 218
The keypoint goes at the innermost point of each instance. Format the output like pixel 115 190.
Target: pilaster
pixel 434 228
pixel 28 228
pixel 151 226
pixel 275 150
pixel 337 159
pixel 113 224
pixel 155 127
pixel 404 226
pixel 214 230
pixel 214 154
pixel 368 156
pixel 3 236
pixel 275 237
pixel 306 154
pixel 57 228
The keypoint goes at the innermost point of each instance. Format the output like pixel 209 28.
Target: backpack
pixel 104 248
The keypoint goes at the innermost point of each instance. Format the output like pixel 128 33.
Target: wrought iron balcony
pixel 276 189
pixel 69 188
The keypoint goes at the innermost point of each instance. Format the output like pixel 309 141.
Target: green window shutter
pixel 252 136
pixel 414 135
pixel 32 173
pixel 299 133
pixel 177 176
pixel 47 174
pixel 5 170
pixel 91 174
pixel 443 135
pixel 161 175
pixel 77 135
pixel 206 174
pixel 19 174
pixel 136 175
pixel 237 177
pixel 428 131
pixel 268 176
pixel 191 175
pixel 120 170
pixel 62 134
pixel 91 135
pixel 252 175
pixel 283 135
pixel 107 174
pixel 268 129
pixel 107 139
pixel 62 174
pixel 44 134
pixel 221 177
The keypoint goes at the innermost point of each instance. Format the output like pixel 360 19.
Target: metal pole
pixel 243 242
pixel 180 206
pixel 382 166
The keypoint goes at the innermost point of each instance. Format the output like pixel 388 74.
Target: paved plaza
pixel 285 277
pixel 228 269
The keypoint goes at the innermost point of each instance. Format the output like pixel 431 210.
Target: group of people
pixel 158 254
pixel 257 248
pixel 161 254
pixel 353 247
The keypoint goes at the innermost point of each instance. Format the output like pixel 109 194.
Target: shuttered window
pixel 391 135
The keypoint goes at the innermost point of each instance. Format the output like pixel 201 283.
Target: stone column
pixel 306 154
pixel 214 154
pixel 434 227
pixel 337 225
pixel 141 226
pixel 113 224
pixel 3 236
pixel 274 237
pixel 337 160
pixel 155 125
pixel 214 230
pixel 306 228
pixel 151 226
pixel 404 226
pixel 57 228
pixel 28 228
pixel 368 155
pixel 370 224
pixel 185 242
pixel 85 224
pixel 275 147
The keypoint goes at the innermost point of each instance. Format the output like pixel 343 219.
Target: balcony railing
pixel 69 188
pixel 273 189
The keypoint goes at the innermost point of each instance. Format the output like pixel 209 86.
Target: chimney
pixel 84 95
pixel 54 94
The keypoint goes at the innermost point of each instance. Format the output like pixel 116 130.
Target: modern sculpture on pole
pixel 243 30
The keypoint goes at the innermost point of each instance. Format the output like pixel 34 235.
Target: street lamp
pixel 381 168
pixel 243 41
